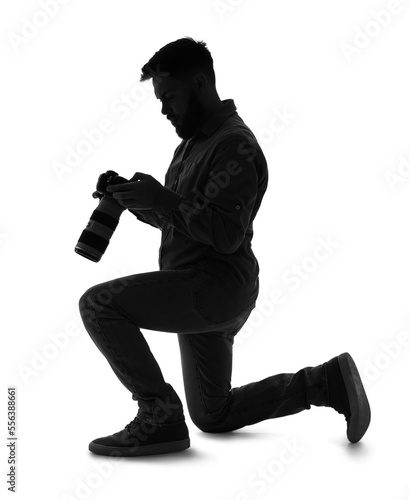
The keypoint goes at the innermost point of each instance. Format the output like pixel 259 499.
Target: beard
pixel 192 120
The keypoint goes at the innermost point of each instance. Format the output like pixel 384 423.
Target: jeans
pixel 189 302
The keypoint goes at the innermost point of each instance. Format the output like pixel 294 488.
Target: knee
pixel 206 421
pixel 99 298
pixel 208 424
pixel 89 301
pixel 85 299
pixel 102 295
pixel 203 422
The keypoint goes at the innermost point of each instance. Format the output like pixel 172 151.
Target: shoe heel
pixel 359 404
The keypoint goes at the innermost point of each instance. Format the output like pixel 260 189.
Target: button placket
pixel 186 152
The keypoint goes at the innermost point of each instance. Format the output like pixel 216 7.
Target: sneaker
pixel 347 395
pixel 143 438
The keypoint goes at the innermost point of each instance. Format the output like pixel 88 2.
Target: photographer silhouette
pixel 208 279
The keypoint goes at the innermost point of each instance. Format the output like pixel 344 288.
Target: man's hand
pixel 139 193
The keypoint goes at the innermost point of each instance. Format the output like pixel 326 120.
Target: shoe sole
pixel 358 401
pixel 136 451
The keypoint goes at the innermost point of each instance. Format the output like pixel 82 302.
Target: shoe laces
pixel 132 425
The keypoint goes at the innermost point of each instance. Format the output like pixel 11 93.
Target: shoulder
pixel 237 139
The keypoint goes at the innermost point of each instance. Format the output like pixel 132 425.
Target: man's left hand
pixel 138 193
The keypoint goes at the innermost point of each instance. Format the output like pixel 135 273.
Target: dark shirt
pixel 214 187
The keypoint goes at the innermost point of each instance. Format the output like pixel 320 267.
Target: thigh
pixel 180 301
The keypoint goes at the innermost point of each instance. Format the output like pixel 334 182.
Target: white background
pixel 327 167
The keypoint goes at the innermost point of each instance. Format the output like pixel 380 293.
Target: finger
pixel 127 193
pixel 124 196
pixel 116 187
pixel 139 176
pixel 129 186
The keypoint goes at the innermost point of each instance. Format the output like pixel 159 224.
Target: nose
pixel 165 109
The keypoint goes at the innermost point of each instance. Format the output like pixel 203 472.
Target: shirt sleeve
pixel 219 214
pixel 153 217
pixel 149 217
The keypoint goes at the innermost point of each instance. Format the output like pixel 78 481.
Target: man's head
pixel 184 81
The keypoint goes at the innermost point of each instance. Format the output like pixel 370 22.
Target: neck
pixel 213 107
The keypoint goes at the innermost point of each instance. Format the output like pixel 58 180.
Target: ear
pixel 200 80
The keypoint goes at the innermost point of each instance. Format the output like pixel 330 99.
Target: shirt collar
pixel 213 123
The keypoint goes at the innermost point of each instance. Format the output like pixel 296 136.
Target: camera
pixel 104 219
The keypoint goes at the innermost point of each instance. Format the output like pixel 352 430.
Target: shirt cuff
pixel 166 202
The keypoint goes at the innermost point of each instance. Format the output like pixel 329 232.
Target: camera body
pixel 95 238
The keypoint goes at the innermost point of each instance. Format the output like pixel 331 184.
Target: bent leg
pixel 216 407
pixel 113 313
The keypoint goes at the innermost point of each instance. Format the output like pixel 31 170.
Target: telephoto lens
pixel 95 238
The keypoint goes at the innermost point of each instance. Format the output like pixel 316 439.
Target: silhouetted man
pixel 208 280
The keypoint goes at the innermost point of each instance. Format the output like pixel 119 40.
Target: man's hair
pixel 181 59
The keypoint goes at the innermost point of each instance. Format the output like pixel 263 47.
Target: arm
pixel 219 213
pixel 148 217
